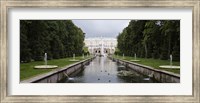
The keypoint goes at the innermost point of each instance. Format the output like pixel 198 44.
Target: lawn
pixel 27 69
pixel 155 63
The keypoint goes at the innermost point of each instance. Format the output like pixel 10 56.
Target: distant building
pixel 101 46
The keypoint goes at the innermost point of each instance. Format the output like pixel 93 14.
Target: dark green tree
pixel 58 38
pixel 25 54
pixel 151 39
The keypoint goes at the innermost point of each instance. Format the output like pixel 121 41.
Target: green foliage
pixel 151 39
pixel 164 55
pixel 176 53
pixel 58 38
pixel 155 53
pixel 85 50
pixel 25 54
pixel 129 41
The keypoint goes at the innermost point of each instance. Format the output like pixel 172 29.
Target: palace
pixel 101 46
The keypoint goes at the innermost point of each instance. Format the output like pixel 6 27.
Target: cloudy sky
pixel 104 28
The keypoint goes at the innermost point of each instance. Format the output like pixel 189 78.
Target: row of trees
pixel 57 38
pixel 151 39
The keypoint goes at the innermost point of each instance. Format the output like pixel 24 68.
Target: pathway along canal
pixel 104 70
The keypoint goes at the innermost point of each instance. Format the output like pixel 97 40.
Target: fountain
pixel 135 60
pixel 149 76
pixel 74 60
pixel 121 67
pixel 102 48
pixel 171 61
pixel 45 66
pixel 170 66
pixel 135 56
pixel 45 58
pixel 83 56
pixel 70 80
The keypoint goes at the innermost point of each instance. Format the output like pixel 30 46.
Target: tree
pixel 171 31
pixel 25 54
pixel 151 39
pixel 57 38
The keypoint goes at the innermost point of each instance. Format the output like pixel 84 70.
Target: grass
pixel 27 69
pixel 155 63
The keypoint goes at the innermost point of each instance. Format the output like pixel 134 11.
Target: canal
pixel 104 70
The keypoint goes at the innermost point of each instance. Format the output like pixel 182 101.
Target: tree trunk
pixel 145 48
pixel 169 45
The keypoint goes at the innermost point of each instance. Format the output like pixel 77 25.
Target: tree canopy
pixel 151 39
pixel 58 38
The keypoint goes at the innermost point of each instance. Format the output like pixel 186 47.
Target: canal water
pixel 104 70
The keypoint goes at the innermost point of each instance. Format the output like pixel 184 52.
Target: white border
pixel 183 88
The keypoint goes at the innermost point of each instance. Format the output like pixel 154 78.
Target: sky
pixel 104 28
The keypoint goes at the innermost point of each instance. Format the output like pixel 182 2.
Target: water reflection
pixel 104 70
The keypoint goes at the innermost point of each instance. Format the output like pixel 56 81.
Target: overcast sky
pixel 104 28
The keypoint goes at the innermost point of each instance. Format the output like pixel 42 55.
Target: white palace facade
pixel 101 46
